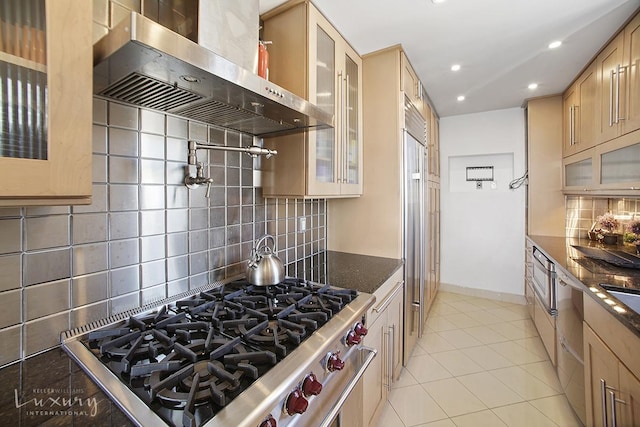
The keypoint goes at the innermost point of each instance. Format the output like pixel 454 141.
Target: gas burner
pixel 215 370
pixel 191 358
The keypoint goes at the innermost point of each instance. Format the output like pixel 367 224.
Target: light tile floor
pixel 479 363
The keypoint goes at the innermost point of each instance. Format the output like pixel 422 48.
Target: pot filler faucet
pixel 199 179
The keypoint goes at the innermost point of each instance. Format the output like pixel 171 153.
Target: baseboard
pixel 483 293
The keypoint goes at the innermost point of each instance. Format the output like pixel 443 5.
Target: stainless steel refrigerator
pixel 415 229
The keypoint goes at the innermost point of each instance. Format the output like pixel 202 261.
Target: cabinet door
pixel 351 141
pixel 619 166
pixel 579 171
pixel 601 375
pixel 588 113
pixel 410 83
pixel 570 111
pixel 45 124
pixel 374 380
pixel 610 77
pixel 628 410
pixel 631 120
pixel 335 155
pixel 325 80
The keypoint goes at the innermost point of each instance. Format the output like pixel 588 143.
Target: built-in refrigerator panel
pixel 415 230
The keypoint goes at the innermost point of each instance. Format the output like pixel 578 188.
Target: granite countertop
pixel 50 389
pixel 592 273
pixel 360 272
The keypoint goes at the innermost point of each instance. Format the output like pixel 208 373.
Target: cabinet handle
pixel 611 98
pixel 571 125
pixel 614 400
pixel 619 70
pixel 383 305
pixel 385 355
pixel 603 399
pixel 391 354
pixel 337 172
pixel 345 141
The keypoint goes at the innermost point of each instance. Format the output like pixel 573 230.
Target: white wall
pixel 483 230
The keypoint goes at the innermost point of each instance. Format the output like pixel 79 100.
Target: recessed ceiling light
pixel 555 44
pixel 533 86
pixel 461 98
pixel 438 1
pixel 455 67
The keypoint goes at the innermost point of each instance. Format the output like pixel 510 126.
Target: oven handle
pixel 349 388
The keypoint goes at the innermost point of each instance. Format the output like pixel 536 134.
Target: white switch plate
pixel 302 224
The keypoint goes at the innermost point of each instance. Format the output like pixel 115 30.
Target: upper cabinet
pixel 310 58
pixel 601 147
pixel 46 72
pixel 619 84
pixel 580 114
pixel 411 84
pixel 611 76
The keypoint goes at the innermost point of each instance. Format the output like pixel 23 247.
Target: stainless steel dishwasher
pixel 569 319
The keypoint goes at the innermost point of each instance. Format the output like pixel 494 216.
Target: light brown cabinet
pixel 545 201
pixel 602 124
pixel 411 84
pixel 619 84
pixel 45 134
pixel 311 59
pixel 631 121
pixel 385 334
pixel 580 114
pixel 611 369
pixel 610 69
pixel 613 392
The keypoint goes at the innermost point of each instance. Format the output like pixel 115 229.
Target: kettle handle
pixel 262 239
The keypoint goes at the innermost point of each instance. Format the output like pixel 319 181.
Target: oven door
pixel 544 281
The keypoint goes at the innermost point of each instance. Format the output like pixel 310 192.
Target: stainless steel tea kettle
pixel 264 268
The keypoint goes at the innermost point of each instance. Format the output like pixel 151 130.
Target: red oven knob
pixel 334 363
pixel 311 386
pixel 296 402
pixel 360 329
pixel 269 422
pixel 352 338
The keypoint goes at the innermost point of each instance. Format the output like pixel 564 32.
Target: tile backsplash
pixel 146 236
pixel 581 212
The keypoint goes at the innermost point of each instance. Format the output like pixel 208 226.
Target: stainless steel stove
pixel 232 355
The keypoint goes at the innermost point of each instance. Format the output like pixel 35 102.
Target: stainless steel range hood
pixel 143 63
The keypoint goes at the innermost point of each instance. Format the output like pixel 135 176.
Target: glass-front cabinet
pixel 46 92
pixel 330 162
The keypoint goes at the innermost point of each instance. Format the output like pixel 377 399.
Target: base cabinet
pixel 384 322
pixel 612 391
pixel 611 368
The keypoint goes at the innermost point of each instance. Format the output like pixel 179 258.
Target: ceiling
pixel 501 45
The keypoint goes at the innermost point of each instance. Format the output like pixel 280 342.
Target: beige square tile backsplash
pixel 146 236
pixel 581 212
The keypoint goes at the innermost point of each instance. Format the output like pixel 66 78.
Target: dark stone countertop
pixel 360 272
pixel 50 389
pixel 593 273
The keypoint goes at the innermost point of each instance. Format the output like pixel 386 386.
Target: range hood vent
pixel 143 63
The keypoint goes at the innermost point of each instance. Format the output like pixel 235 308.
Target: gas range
pixel 232 354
